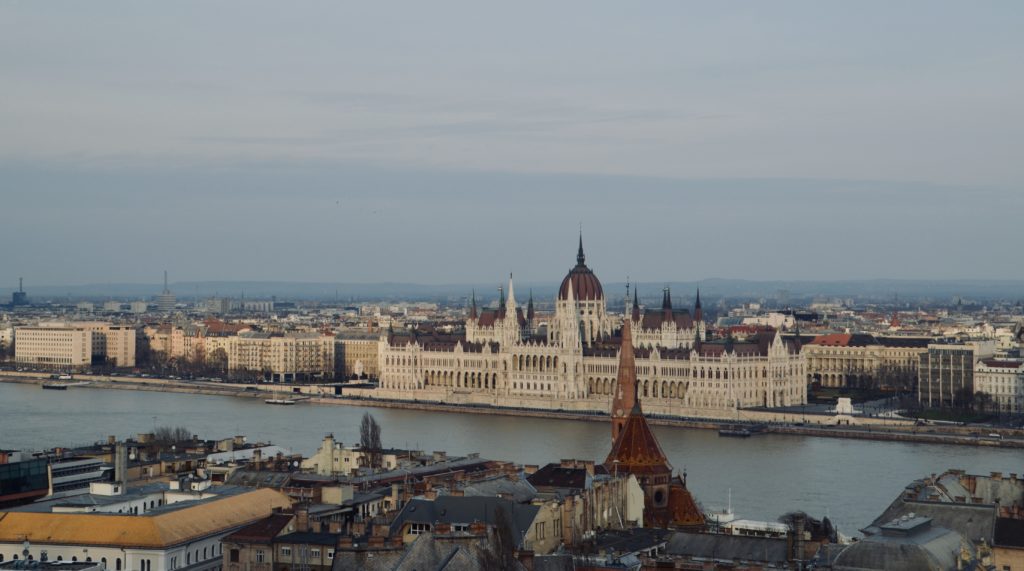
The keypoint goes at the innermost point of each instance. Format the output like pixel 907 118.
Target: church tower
pixel 636 451
pixel 625 385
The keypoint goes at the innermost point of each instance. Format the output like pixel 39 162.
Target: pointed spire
pixel 625 398
pixel 472 310
pixel 501 298
pixel 698 313
pixel 636 305
pixel 511 294
pixel 666 306
pixel 580 257
pixel 529 306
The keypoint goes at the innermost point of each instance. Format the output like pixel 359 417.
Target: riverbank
pixel 787 423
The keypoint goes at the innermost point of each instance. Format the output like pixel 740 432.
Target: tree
pixel 369 440
pixel 501 554
pixel 982 401
pixel 168 435
pixel 218 360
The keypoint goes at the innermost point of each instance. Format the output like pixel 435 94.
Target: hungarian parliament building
pixel 507 356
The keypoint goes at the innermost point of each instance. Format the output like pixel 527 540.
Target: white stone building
pixel 503 360
pixel 1003 381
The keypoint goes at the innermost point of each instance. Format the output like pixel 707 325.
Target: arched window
pixel 117 564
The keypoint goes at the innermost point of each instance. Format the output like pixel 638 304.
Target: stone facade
pixel 504 359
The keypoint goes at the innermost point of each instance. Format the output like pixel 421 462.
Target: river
pixel 851 481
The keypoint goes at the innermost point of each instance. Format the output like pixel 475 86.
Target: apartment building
pixel 282 357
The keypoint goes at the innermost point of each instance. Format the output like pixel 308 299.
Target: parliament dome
pixel 585 285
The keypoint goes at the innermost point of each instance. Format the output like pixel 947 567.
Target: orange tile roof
pixel 141 531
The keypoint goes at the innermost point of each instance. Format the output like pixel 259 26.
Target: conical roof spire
pixel 636 305
pixel 580 257
pixel 472 309
pixel 529 306
pixel 624 399
pixel 698 313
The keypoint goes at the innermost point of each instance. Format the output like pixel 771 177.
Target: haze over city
pixel 453 142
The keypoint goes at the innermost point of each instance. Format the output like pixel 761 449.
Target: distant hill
pixel 650 292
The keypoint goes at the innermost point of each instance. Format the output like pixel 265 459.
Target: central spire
pixel 580 258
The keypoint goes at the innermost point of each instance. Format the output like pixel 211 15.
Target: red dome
pixel 585 285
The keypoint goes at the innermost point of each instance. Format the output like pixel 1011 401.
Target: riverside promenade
pixel 866 428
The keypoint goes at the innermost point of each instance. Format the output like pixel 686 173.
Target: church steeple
pixel 625 384
pixel 472 307
pixel 529 307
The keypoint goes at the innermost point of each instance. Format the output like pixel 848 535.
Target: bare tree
pixel 168 435
pixel 369 440
pixel 501 554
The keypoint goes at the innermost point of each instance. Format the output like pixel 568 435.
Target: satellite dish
pixel 295 463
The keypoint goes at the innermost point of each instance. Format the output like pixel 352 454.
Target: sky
pixel 455 142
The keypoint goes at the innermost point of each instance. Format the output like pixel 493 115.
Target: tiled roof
pixel 141 531
pixel 263 531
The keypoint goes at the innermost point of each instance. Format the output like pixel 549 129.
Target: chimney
pixel 442 529
pixel 381 530
pixel 530 469
pixel 567 463
pixel 121 464
pixel 440 456
pixel 589 465
pixel 478 528
pixel 345 542
pixel 359 528
pixel 334 527
pixel 257 458
pixel 302 517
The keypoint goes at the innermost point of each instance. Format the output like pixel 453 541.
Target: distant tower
pixel 20 297
pixel 166 301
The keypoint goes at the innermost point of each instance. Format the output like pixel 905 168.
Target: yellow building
pixel 357 357
pixel 282 357
pixel 158 539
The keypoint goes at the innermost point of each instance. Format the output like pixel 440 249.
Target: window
pixel 540 530
pixel 259 555
pixel 418 528
pixel 460 527
pixel 315 553
pixel 286 551
pixel 233 556
pixel 330 554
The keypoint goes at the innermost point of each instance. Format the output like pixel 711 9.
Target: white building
pixel 75 344
pixel 1003 381
pixel 504 359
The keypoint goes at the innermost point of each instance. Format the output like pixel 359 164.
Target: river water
pixel 851 481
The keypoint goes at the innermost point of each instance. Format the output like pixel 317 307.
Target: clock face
pixel 618 412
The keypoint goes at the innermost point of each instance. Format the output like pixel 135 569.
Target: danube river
pixel 851 481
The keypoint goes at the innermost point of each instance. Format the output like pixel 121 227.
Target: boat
pixel 55 386
pixel 279 401
pixel 734 431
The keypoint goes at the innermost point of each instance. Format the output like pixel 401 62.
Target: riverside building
pixel 508 356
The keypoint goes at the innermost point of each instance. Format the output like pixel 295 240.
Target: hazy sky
pixel 441 142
